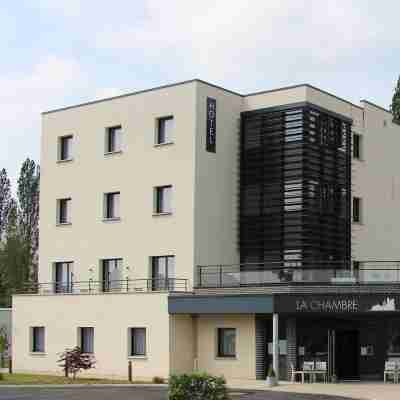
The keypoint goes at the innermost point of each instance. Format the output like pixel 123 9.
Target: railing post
pixel 200 278
pixel 220 276
pixel 130 371
pixel 127 284
pixel 90 285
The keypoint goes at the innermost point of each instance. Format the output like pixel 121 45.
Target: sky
pixel 63 52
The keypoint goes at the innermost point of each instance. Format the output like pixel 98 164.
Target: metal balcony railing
pixel 298 273
pixel 112 286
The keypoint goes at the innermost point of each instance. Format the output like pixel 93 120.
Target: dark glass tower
pixel 295 185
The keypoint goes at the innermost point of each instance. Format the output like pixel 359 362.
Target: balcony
pixel 103 287
pixel 295 276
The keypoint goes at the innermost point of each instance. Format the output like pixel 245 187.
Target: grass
pixel 30 379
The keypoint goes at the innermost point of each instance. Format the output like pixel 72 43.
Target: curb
pixel 85 385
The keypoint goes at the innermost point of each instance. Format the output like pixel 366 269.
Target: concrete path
pixel 364 391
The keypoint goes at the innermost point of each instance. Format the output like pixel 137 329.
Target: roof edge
pixel 376 105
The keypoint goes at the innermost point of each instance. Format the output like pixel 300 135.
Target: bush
pixel 158 380
pixel 197 387
pixel 73 361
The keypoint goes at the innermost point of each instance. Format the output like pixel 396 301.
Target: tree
pixel 73 360
pixel 395 107
pixel 5 200
pixel 28 218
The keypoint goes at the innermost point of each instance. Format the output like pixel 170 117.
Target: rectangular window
pixel 111 274
pixel 65 148
pixel 113 139
pixel 64 211
pixel 226 342
pixel 37 339
pixel 63 277
pixel 163 199
pixel 137 342
pixel 357 204
pixel 165 128
pixel 86 342
pixel 357 146
pixel 112 205
pixel 163 272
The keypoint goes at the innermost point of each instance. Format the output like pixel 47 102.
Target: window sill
pixel 233 358
pixel 144 358
pixel 38 354
pixel 163 144
pixel 161 214
pixel 112 220
pixel 67 160
pixel 112 153
pixel 64 224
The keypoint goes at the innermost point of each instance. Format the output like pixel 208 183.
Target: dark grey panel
pixel 237 304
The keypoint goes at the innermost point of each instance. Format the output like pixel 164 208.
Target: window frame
pixel 158 206
pixel 106 281
pixel 81 331
pixel 34 340
pixel 60 202
pixel 219 344
pixel 107 206
pixel 160 126
pixel 131 342
pixel 61 147
pixel 357 216
pixel 357 149
pixel 168 276
pixel 109 140
pixel 63 286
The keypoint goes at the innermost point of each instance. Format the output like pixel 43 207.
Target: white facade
pixel 201 229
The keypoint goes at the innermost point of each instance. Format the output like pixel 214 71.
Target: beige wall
pixel 244 366
pixel 216 182
pixel 111 315
pixel 134 173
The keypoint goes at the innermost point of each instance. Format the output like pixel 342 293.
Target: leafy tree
pixel 28 218
pixel 395 107
pixel 73 361
pixel 5 200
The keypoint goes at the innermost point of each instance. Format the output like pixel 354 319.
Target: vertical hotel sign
pixel 211 134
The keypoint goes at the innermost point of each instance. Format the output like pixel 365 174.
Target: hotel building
pixel 189 227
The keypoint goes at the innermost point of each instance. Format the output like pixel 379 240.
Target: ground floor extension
pixel 238 336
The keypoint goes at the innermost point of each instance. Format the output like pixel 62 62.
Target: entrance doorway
pixel 347 355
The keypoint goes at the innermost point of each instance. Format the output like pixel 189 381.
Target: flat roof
pixel 212 85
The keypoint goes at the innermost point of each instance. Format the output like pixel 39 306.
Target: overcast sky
pixel 61 52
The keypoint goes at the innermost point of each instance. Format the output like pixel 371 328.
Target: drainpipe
pixel 275 344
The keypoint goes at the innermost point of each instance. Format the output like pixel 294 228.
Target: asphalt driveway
pixel 134 393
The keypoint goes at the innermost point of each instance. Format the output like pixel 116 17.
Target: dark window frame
pixel 220 344
pixel 105 273
pixel 109 208
pixel 169 277
pixel 62 212
pixel 161 136
pixel 357 146
pixel 82 330
pixel 63 152
pixel 132 338
pixel 357 210
pixel 35 345
pixel 110 139
pixel 160 198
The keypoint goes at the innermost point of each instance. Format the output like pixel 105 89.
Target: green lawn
pixel 28 379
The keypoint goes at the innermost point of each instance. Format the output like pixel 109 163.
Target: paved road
pixel 127 393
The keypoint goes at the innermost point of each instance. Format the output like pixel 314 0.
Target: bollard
pixel 130 371
pixel 10 366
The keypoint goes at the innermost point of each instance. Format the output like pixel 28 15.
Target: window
pixel 226 342
pixel 137 342
pixel 65 148
pixel 37 339
pixel 64 211
pixel 111 274
pixel 163 200
pixel 357 146
pixel 163 272
pixel 86 340
pixel 63 277
pixel 113 139
pixel 165 127
pixel 112 205
pixel 357 209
